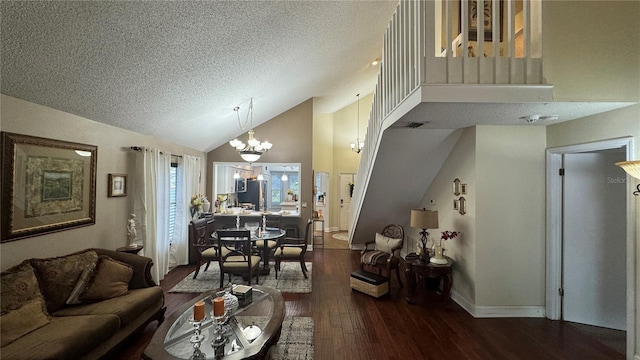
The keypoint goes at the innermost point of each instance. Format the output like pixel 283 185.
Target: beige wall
pixel 609 125
pixel 510 216
pixel 591 49
pixel 114 156
pixel 460 164
pixel 292 135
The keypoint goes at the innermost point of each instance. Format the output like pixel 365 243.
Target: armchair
pixel 293 249
pixel 238 256
pixel 385 254
pixel 200 238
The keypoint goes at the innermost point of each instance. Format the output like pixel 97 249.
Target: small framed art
pixel 117 185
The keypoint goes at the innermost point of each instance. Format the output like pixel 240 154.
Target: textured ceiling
pixel 176 69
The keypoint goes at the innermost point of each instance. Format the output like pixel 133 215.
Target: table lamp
pixel 424 219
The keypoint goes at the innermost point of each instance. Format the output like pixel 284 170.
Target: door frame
pixel 554 231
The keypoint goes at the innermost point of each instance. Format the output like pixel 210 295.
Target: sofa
pixel 78 306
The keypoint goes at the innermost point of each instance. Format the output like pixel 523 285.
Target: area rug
pixel 290 279
pixel 341 236
pixel 296 340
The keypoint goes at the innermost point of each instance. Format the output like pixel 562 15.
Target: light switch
pixel 304 204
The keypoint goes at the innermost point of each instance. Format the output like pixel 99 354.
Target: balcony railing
pixel 449 42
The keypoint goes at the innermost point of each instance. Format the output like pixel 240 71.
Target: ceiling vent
pixel 413 125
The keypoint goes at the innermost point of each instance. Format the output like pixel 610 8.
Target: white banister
pixel 433 43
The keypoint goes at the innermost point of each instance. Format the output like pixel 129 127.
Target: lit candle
pixel 198 311
pixel 218 306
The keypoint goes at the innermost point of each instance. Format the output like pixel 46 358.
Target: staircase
pixel 433 82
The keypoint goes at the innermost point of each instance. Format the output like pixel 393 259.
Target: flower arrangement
pixel 196 203
pixel 446 235
pixel 289 192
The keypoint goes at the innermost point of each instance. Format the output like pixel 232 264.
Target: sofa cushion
pixel 109 279
pixel 127 307
pixel 22 305
pixel 67 337
pixel 387 244
pixel 58 276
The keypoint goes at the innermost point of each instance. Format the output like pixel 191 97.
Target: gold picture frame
pixel 117 185
pixel 472 20
pixel 47 185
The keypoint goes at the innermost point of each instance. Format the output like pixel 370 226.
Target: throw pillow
pixel 81 285
pixel 387 244
pixel 110 279
pixel 22 304
pixel 58 276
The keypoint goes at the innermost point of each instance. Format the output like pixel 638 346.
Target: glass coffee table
pixel 251 331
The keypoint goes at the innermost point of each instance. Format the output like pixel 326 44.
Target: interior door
pixel 594 240
pixel 345 200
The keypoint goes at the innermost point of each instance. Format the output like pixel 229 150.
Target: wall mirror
pixel 257 186
pixel 456 187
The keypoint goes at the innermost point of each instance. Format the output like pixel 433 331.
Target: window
pixel 173 195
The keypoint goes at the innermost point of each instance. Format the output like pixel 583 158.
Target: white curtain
pixel 152 207
pixel 188 185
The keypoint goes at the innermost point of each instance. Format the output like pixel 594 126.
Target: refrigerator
pixel 252 194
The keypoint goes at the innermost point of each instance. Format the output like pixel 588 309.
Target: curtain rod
pixel 141 148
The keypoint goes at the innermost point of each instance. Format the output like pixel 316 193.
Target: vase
pixel 206 205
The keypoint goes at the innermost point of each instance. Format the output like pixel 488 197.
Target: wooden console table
pixel 418 272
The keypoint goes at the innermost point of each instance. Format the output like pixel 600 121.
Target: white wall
pixel 114 156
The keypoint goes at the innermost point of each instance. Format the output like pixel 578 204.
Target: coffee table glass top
pixel 243 328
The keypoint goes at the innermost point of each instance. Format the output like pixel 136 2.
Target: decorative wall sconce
pixel 460 205
pixel 456 187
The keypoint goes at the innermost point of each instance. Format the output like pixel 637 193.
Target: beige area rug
pixel 341 236
pixel 290 279
pixel 296 340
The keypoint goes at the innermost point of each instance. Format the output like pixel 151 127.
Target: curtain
pixel 151 206
pixel 188 185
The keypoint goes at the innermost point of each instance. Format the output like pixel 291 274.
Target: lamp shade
pixel 424 219
pixel 631 167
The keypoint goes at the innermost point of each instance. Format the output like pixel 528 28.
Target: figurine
pixel 131 230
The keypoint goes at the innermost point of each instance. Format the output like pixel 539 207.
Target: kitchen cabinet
pixel 225 183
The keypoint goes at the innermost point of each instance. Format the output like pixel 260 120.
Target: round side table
pixel 131 249
pixel 417 269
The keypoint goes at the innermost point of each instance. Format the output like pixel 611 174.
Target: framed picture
pixel 47 185
pixel 117 185
pixel 488 20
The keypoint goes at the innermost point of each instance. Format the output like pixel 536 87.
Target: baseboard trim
pixel 498 311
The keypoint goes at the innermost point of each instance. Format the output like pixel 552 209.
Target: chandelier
pixel 252 151
pixel 357 146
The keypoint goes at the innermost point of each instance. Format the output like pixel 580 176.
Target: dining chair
pixel 293 249
pixel 238 256
pixel 200 231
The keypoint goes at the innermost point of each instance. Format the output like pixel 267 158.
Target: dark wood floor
pixel 350 325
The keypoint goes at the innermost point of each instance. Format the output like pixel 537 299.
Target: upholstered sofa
pixel 78 306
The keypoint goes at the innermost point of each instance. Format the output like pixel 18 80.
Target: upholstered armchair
pixel 384 252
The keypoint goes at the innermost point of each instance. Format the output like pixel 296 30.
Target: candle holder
pixel 197 336
pixel 219 339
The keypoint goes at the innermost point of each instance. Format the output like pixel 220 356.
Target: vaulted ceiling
pixel 176 69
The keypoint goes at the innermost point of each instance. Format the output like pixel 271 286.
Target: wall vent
pixel 413 125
